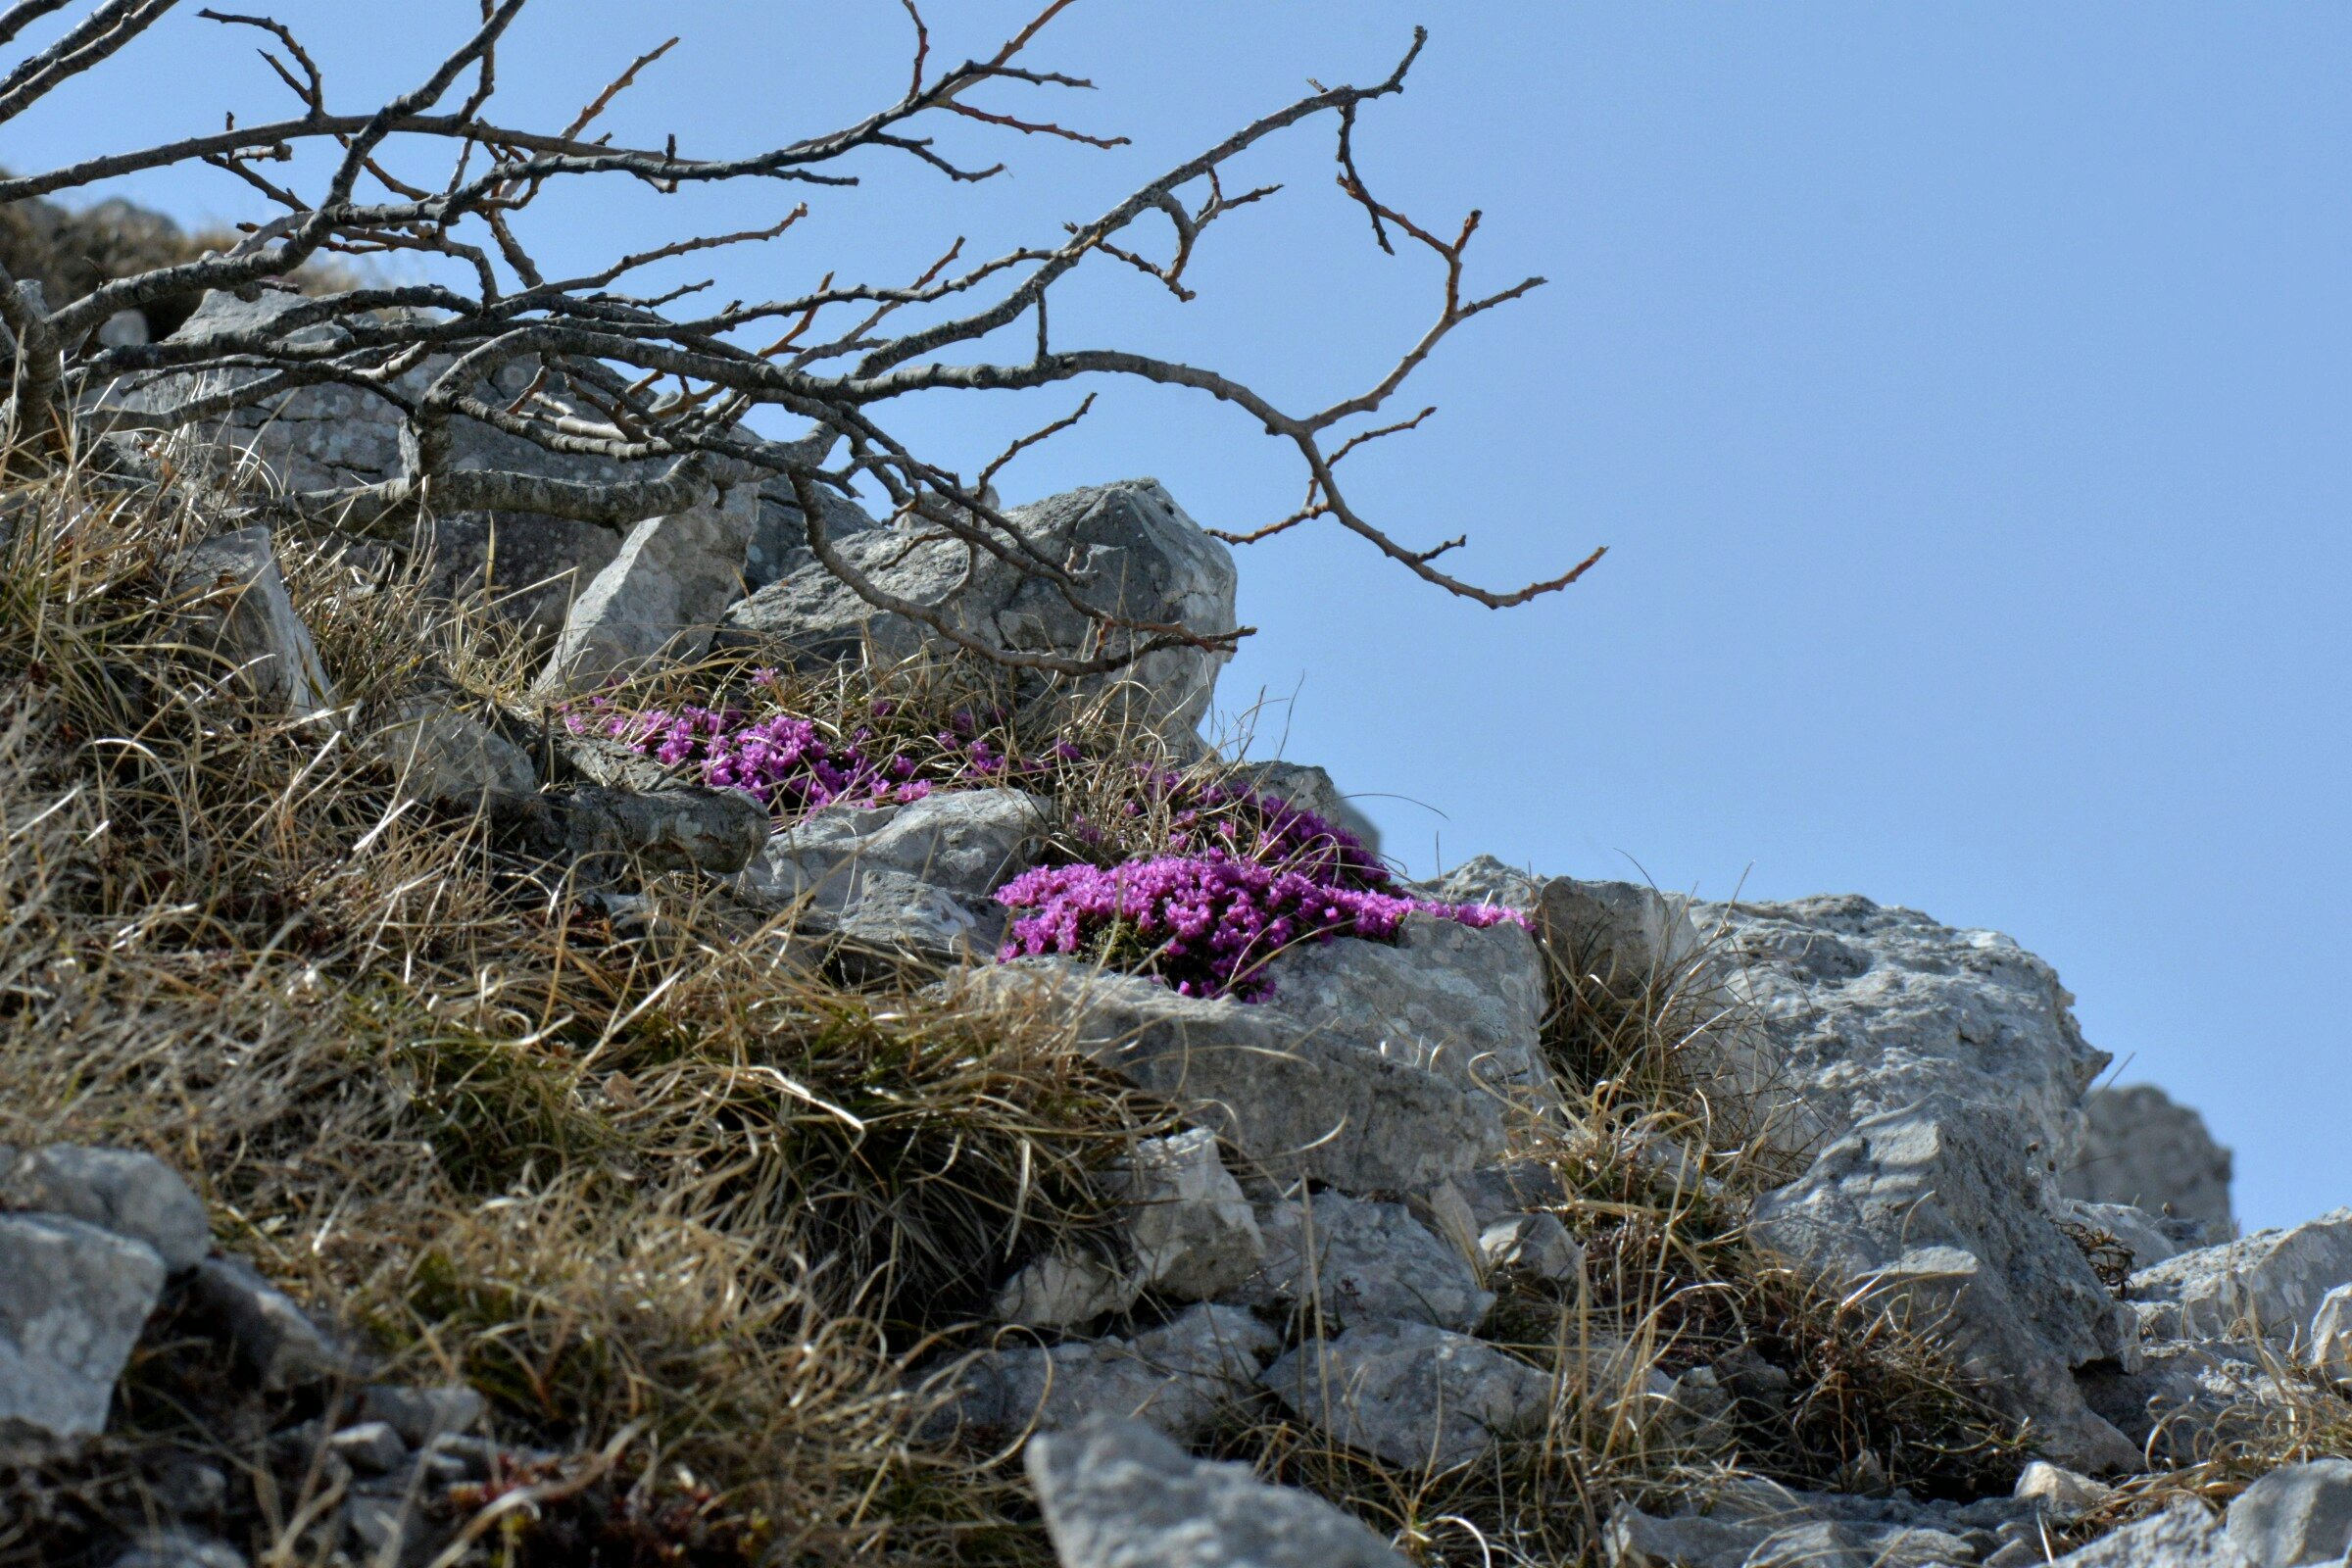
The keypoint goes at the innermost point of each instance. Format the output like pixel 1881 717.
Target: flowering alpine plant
pixel 1206 924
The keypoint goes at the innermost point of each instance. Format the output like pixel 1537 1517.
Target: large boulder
pixel 1938 1075
pixel 1118 1495
pixel 1132 548
pixel 2139 1148
pixel 1294 1103
pixel 916 879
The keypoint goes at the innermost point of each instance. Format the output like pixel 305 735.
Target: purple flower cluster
pixel 1206 924
pixel 786 763
pixel 1265 829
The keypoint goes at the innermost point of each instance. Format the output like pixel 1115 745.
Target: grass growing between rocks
pixel 682 1204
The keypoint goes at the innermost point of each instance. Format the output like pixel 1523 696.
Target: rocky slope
pixel 1525 1219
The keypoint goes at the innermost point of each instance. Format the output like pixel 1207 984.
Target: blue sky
pixel 1962 391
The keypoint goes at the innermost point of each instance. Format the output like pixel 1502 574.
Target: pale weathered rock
pixel 1187 1222
pixel 1531 1244
pixel 1296 1107
pixel 2269 1284
pixel 1410 1394
pixel 1361 1261
pixel 2328 1345
pixel 1311 789
pixel 1928 1204
pixel 274 1340
pixel 2183 1536
pixel 659 599
pixel 916 879
pixel 1751 1523
pixel 2061 1494
pixel 1118 1495
pixel 1137 553
pixel 2295 1516
pixel 119 1189
pixel 526 571
pixel 1063 1289
pixel 371 1447
pixel 178 1548
pixel 2187 1398
pixel 1945 1071
pixel 72 1300
pixel 682 828
pixel 779 544
pixel 1177 1377
pixel 1626 934
pixel 1459 1000
pixel 239 612
pixel 449 757
pixel 2139 1148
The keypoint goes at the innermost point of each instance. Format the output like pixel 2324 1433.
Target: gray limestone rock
pixel 178 1548
pixel 911 879
pixel 2139 1148
pixel 1930 1206
pixel 420 1414
pixel 659 599
pixel 1190 1229
pixel 1177 1377
pixel 2183 1536
pixel 442 756
pixel 1137 553
pixel 525 569
pixel 72 1300
pixel 1118 1495
pixel 2295 1516
pixel 273 1339
pixel 1943 1072
pixel 2327 1344
pixel 681 828
pixel 779 543
pixel 239 613
pixel 2187 1399
pixel 1410 1394
pixel 1361 1261
pixel 2269 1284
pixel 1296 1105
pixel 1750 1523
pixel 1626 936
pixel 119 1189
pixel 1061 1290
pixel 2059 1495
pixel 1536 1245
pixel 1460 1001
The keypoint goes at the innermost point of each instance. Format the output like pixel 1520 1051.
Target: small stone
pixel 1061 1288
pixel 1118 1495
pixel 371 1447
pixel 422 1415
pixel 1410 1394
pixel 178 1548
pixel 659 599
pixel 72 1300
pixel 119 1189
pixel 1178 1377
pixel 1190 1227
pixel 273 1338
pixel 2062 1494
pixel 448 757
pixel 1536 1245
pixel 378 1527
pixel 1360 1260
